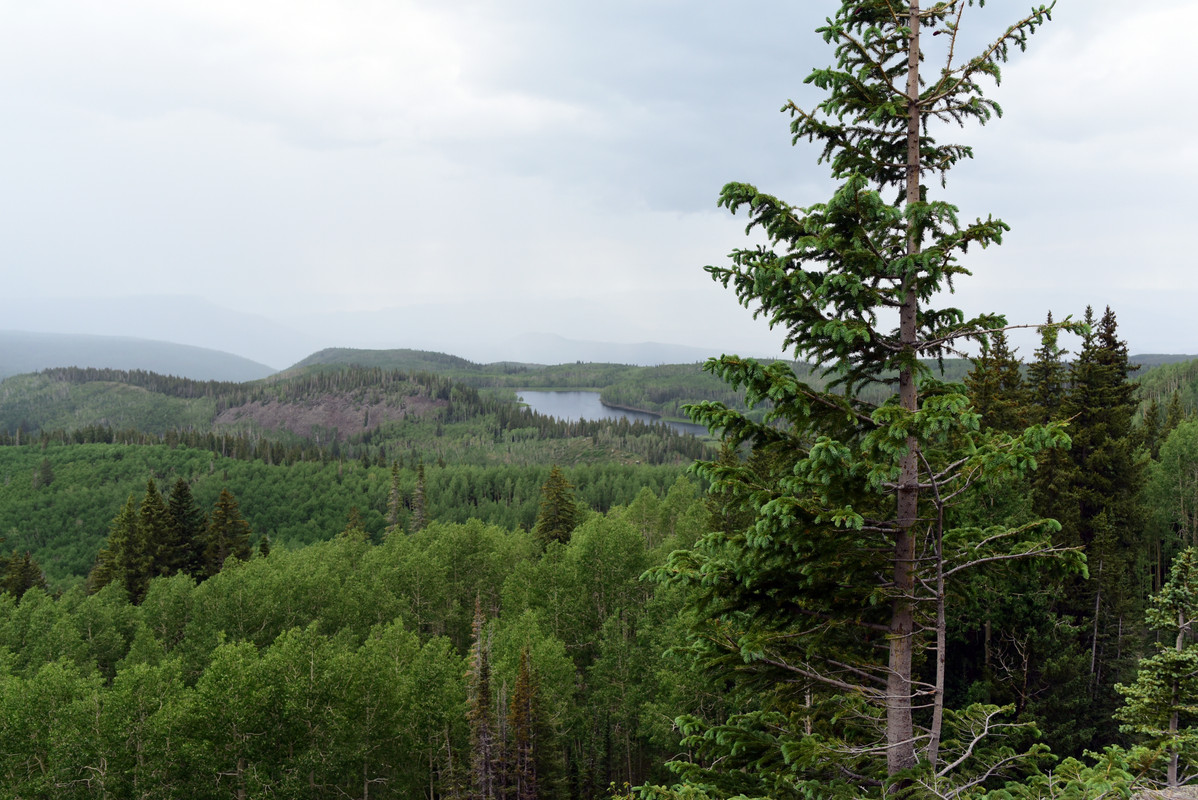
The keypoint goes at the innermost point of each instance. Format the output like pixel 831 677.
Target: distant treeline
pixel 396 416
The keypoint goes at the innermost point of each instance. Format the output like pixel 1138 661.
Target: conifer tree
pixel 394 500
pixel 228 534
pixel 1054 482
pixel 996 387
pixel 1048 375
pixel 839 583
pixel 1175 413
pixel 125 557
pixel 159 532
pixel 418 500
pixel 43 474
pixel 22 573
pixel 1108 478
pixel 522 734
pixel 188 524
pixel 559 513
pixel 1150 428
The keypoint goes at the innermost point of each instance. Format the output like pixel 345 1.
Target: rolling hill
pixel 24 351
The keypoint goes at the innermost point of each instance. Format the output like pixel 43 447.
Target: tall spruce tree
pixel 1054 484
pixel 228 534
pixel 820 610
pixel 159 532
pixel 559 513
pixel 996 387
pixel 523 747
pixel 125 557
pixel 1108 478
pixel 20 573
pixel 1175 413
pixel 188 523
pixel 1150 429
pixel 1048 375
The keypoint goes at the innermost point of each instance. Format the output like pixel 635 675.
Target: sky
pixel 272 177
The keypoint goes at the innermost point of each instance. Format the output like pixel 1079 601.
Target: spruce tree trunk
pixel 1171 775
pixel 900 742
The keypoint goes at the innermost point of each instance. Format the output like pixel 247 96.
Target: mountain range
pixel 24 351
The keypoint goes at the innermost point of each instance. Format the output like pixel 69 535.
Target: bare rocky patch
pixel 346 415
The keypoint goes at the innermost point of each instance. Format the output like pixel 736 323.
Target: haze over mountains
pixel 195 338
pixel 23 351
pixel 279 340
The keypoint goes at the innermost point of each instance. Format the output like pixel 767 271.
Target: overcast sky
pixel 399 173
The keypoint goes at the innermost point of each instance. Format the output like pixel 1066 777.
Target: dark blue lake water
pixel 573 406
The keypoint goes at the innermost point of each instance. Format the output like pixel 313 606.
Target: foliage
pixel 821 611
pixel 227 535
pixel 65 524
pixel 559 514
pixel 1162 703
pixel 371 414
pixel 341 668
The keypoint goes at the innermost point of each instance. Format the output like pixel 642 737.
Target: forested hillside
pixel 359 412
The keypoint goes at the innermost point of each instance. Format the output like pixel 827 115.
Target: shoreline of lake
pixel 573 404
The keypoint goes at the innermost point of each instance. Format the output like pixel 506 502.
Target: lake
pixel 573 406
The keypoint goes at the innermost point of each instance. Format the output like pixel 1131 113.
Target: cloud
pixel 319 155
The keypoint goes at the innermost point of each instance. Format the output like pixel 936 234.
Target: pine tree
pixel 1175 413
pixel 21 573
pixel 228 534
pixel 996 387
pixel 166 551
pixel 838 587
pixel 188 524
pixel 1150 428
pixel 1048 375
pixel 43 474
pixel 1108 478
pixel 559 513
pixel 125 557
pixel 522 734
pixel 1053 485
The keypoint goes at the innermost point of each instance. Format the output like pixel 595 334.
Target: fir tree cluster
pixel 158 539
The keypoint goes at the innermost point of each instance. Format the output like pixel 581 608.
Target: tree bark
pixel 941 643
pixel 1174 721
pixel 900 740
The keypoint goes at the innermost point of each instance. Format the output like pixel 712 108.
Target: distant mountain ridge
pixel 25 351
